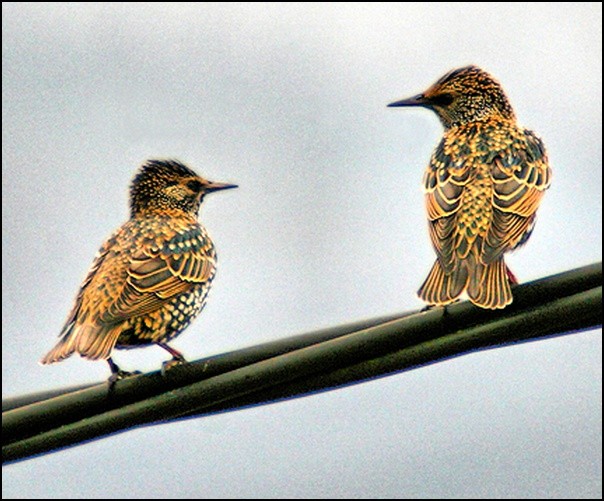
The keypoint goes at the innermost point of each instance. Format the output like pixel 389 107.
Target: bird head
pixel 168 185
pixel 463 95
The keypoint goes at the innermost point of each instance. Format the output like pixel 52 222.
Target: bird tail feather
pixel 442 288
pixel 62 350
pixel 489 286
pixel 90 341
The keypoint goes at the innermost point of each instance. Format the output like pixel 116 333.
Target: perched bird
pixel 482 187
pixel 150 279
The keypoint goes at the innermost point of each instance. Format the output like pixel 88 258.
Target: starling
pixel 150 279
pixel 482 188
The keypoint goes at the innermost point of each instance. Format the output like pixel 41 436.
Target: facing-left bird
pixel 482 186
pixel 150 279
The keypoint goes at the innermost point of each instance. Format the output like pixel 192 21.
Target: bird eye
pixel 195 186
pixel 442 99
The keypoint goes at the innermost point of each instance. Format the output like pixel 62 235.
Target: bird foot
pixel 119 375
pixel 169 364
pixel 429 307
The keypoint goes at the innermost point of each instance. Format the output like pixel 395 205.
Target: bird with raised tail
pixel 150 279
pixel 483 185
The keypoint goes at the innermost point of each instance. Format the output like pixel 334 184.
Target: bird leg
pixel 177 358
pixel 117 373
pixel 511 277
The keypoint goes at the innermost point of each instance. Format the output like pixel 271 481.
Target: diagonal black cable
pixel 296 366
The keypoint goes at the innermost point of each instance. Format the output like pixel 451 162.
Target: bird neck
pixel 479 120
pixel 163 212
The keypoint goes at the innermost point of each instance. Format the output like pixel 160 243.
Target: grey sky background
pixel 328 226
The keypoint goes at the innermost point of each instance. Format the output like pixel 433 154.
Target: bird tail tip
pixel 91 342
pixel 441 288
pixel 491 287
pixel 62 350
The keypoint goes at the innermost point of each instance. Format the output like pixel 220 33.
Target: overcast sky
pixel 328 226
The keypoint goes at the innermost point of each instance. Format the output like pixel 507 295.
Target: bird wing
pixel 520 177
pixel 444 181
pixel 77 306
pixel 158 272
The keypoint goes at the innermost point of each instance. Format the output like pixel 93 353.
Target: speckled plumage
pixel 150 279
pixel 483 186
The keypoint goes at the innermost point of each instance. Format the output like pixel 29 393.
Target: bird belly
pixel 165 323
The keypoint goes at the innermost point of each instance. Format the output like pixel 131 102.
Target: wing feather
pixel 520 179
pixel 444 182
pixel 157 274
